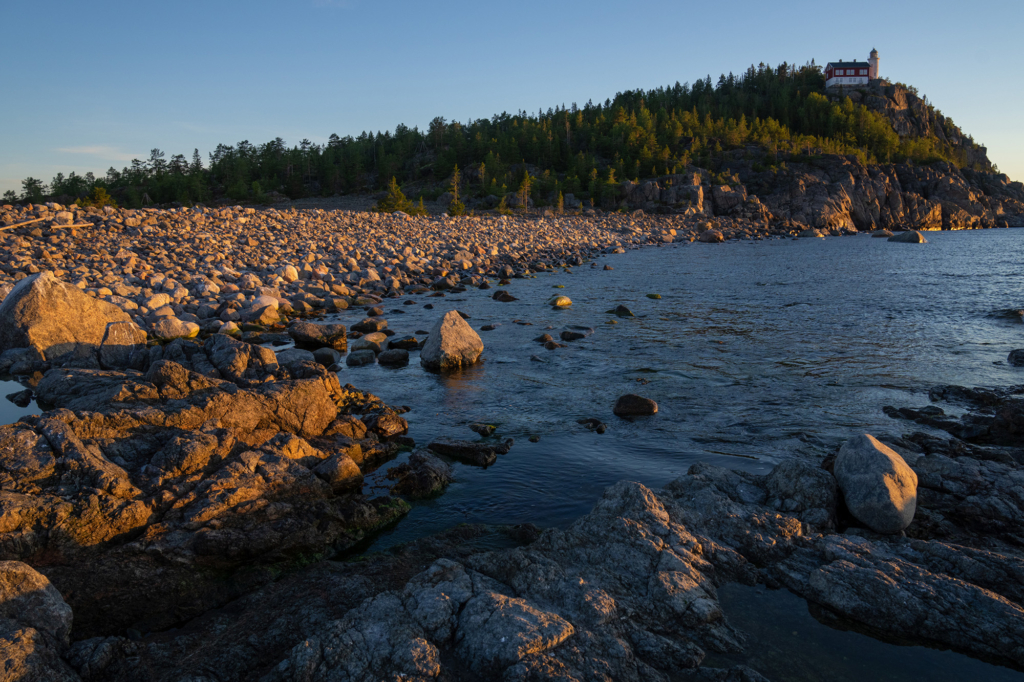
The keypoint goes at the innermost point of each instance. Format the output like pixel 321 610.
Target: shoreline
pixel 279 440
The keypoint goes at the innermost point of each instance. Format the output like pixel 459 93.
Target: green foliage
pixel 418 209
pixel 503 208
pixel 32 189
pixel 456 208
pixel 98 198
pixel 636 134
pixel 10 196
pixel 395 200
pixel 523 195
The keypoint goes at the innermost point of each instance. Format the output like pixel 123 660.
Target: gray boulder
pixel 313 335
pixel 879 488
pixel 452 344
pixel 35 624
pixel 358 358
pixel 909 237
pixel 170 328
pixel 1016 358
pixel 56 319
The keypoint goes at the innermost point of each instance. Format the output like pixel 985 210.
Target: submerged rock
pixel 909 237
pixel 452 344
pixel 480 453
pixel 632 405
pixel 878 486
pixel 423 476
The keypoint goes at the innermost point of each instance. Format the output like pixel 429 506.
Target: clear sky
pixel 89 85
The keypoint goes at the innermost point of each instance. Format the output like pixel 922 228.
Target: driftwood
pixel 27 222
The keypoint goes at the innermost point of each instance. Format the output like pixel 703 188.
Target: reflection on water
pixel 787 644
pixel 9 412
pixel 756 352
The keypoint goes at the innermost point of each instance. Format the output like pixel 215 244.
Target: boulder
pixel 424 475
pixel 170 328
pixel 35 624
pixel 631 405
pixel 313 335
pixel 560 301
pixel 358 358
pixel 909 237
pixel 394 356
pixel 711 237
pixel 878 234
pixel 373 341
pixel 452 344
pixel 56 319
pixel 1016 358
pixel 121 342
pixel 879 488
pixel 292 356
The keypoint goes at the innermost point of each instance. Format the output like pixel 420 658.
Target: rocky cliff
pixel 834 192
pixel 911 116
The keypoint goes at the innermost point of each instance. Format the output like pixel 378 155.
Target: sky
pixel 92 85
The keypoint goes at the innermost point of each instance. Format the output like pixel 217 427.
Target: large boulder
pixel 313 335
pixel 452 344
pixel 35 624
pixel 909 237
pixel 56 319
pixel 632 405
pixel 879 487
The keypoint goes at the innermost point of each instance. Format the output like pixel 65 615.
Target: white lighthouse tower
pixel 873 61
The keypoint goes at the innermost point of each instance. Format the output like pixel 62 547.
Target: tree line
pixel 584 150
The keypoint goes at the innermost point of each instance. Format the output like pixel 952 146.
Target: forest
pixel 781 111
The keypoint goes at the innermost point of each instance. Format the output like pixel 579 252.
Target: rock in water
pixel 631 405
pixel 711 237
pixel 423 476
pixel 452 344
pixel 1016 358
pixel 909 237
pixel 560 302
pixel 56 319
pixel 879 488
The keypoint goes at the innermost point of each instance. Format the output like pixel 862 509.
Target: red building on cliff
pixel 851 74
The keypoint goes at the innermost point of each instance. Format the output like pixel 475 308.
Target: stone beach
pixel 180 509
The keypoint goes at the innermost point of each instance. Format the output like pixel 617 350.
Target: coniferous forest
pixel 783 112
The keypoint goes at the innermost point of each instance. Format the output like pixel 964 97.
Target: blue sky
pixel 93 85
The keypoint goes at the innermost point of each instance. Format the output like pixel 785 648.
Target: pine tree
pixel 456 208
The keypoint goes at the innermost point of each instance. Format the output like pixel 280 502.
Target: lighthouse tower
pixel 873 61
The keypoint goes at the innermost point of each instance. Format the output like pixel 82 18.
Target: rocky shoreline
pixel 180 508
pixel 193 554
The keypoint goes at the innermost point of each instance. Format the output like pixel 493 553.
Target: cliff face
pixel 910 116
pixel 839 192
